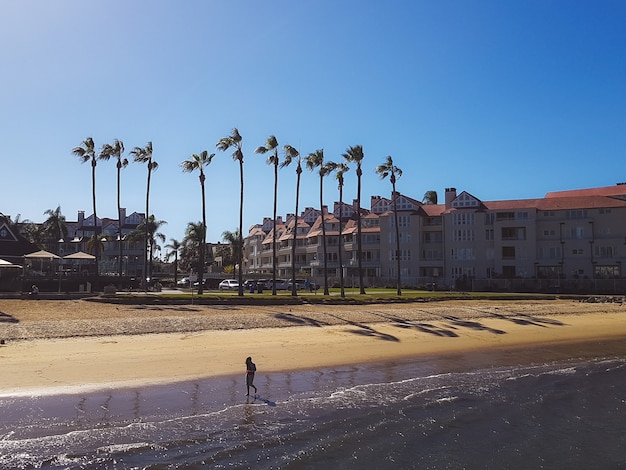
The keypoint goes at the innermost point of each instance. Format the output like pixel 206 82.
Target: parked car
pixel 229 284
pixel 184 282
pixel 281 284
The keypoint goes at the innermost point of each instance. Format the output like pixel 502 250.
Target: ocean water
pixel 495 410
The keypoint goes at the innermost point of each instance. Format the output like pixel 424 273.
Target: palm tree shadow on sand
pixel 419 326
pixel 6 318
pixel 365 330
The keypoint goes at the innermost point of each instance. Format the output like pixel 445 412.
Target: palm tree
pixel 316 160
pixel 290 154
pixel 144 155
pixel 198 162
pixel 95 243
pixel 354 154
pixel 340 169
pixel 430 197
pixel 191 245
pixel 234 141
pixel 271 145
pixel 384 170
pixel 234 241
pixel 175 247
pixel 54 228
pixel 116 150
pixel 87 152
pixel 149 227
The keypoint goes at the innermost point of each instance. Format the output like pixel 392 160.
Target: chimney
pixel 81 218
pixel 450 196
pixel 122 216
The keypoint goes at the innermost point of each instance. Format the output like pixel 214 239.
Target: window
pixel 577 251
pixel 464 200
pixel 489 234
pixel 405 255
pixel 432 221
pixel 463 235
pixel 576 214
pixel 508 252
pixel 549 233
pixel 600 251
pixel 502 216
pixel 462 254
pixel 606 272
pixel 577 232
pixel 513 233
pixel 432 237
pixel 549 253
pixel 461 218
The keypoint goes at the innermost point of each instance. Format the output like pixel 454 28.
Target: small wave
pixel 121 448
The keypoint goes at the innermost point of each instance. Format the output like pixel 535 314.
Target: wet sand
pixel 65 347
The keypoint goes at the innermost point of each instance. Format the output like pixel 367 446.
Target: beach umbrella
pixel 7 264
pixel 41 255
pixel 80 255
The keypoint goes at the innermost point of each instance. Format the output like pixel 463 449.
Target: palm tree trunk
pixel 324 236
pixel 203 244
pixel 294 288
pixel 274 231
pixel 241 228
pixel 146 274
pixel 395 215
pixel 343 293
pixel 95 216
pixel 119 221
pixel 359 245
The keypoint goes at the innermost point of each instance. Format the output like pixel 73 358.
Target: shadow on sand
pixel 6 318
pixel 300 320
pixel 365 330
pixel 419 326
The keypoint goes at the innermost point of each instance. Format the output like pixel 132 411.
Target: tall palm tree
pixel 234 141
pixel 271 145
pixel 87 152
pixel 198 162
pixel 290 154
pixel 175 246
pixel 116 150
pixel 430 197
pixel 144 155
pixel 340 169
pixel 388 169
pixel 354 154
pixel 316 160
pixel 54 228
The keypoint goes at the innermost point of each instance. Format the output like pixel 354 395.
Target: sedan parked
pixel 229 284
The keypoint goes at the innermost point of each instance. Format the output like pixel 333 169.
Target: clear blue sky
pixel 503 99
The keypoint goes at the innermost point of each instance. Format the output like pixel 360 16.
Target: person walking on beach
pixel 250 370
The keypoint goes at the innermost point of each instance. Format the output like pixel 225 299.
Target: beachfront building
pixel 81 230
pixel 567 241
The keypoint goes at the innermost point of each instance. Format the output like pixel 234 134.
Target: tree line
pixel 194 242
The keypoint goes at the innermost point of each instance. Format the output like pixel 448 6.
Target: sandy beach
pixel 56 346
